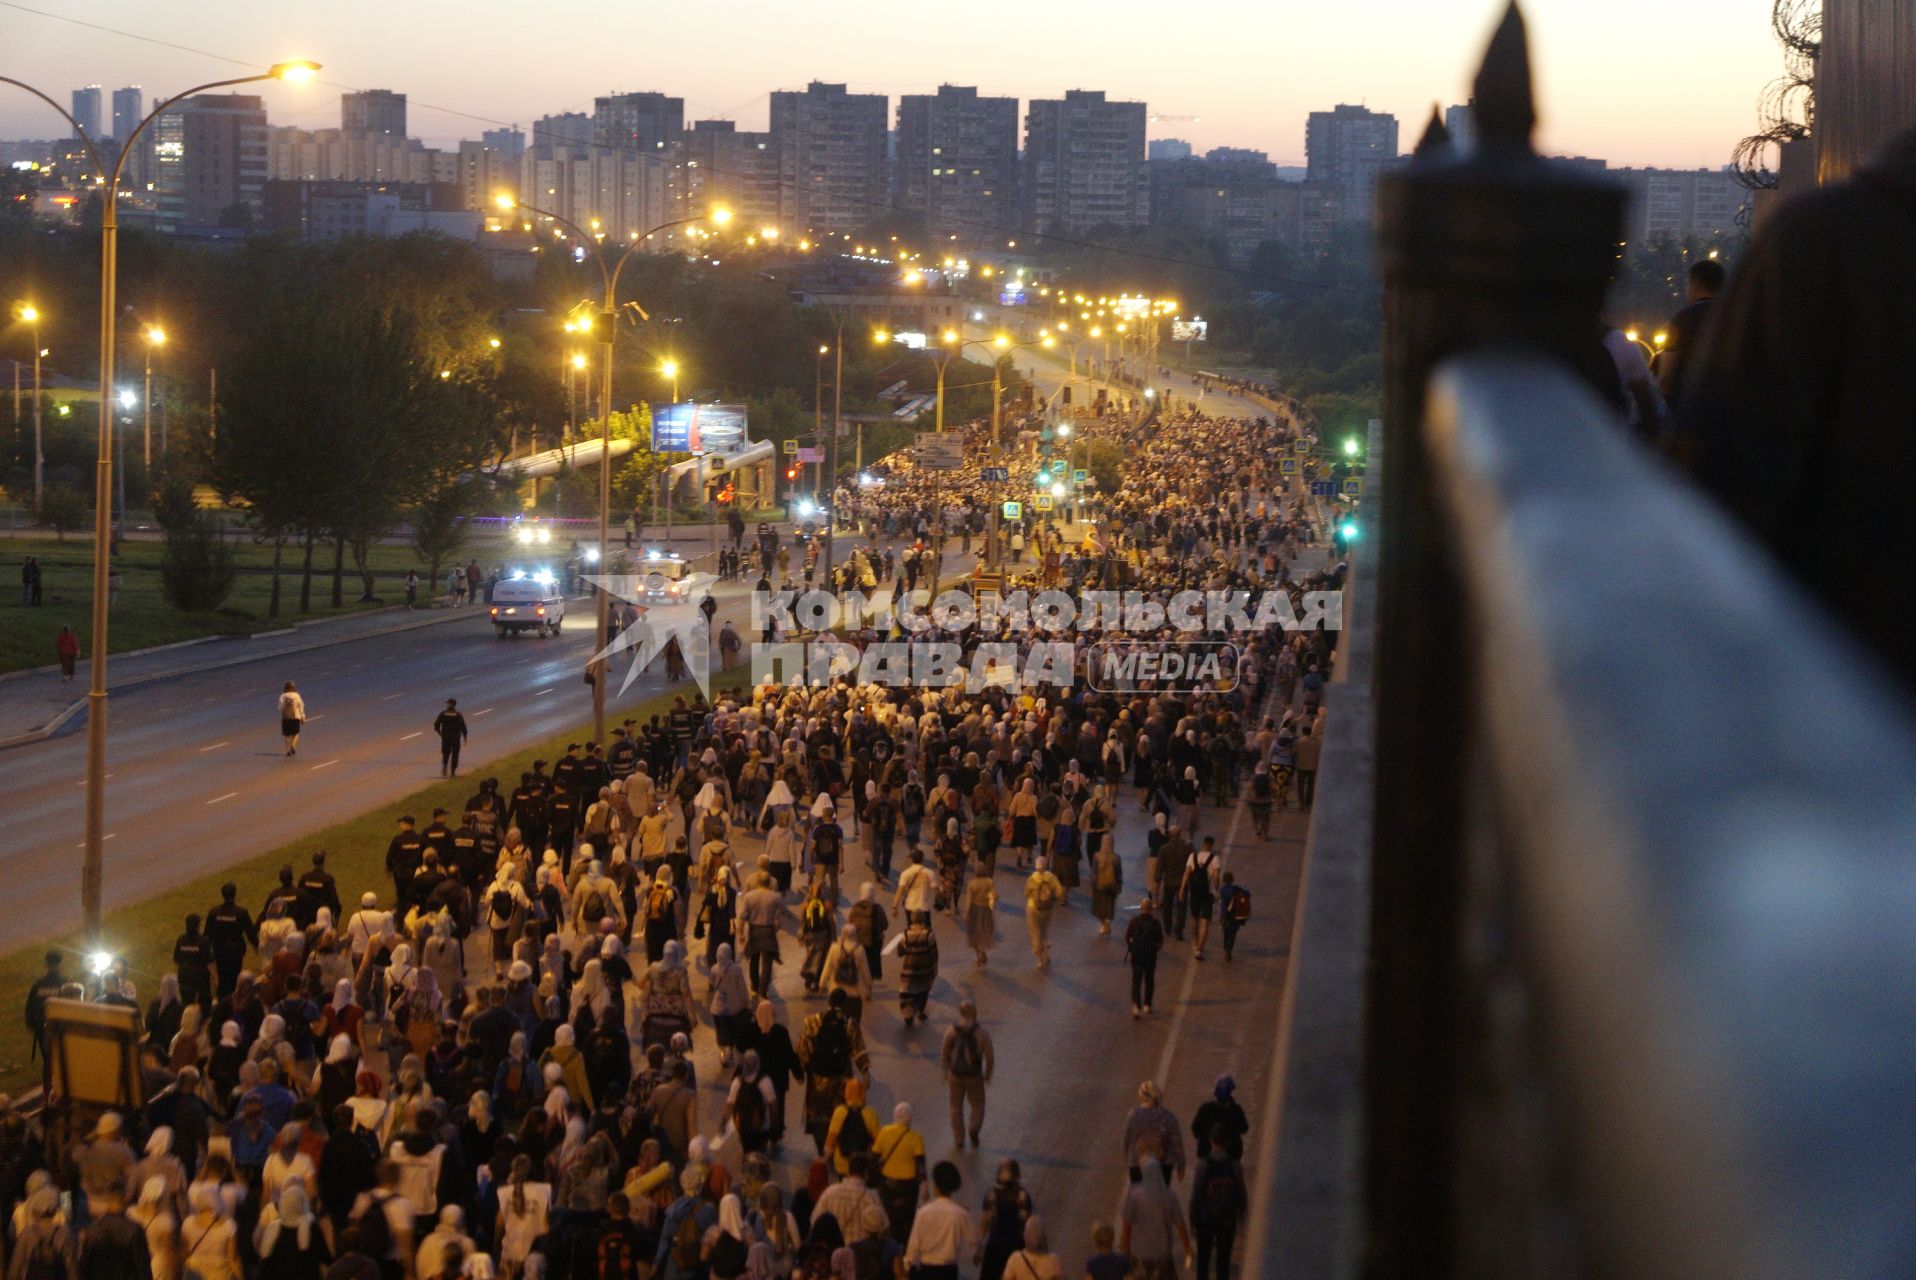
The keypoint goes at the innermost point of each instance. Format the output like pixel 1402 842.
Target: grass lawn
pixel 355 854
pixel 142 617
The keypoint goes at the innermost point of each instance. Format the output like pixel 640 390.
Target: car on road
pixel 528 602
pixel 660 573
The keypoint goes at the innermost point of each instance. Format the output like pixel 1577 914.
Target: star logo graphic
pixel 667 611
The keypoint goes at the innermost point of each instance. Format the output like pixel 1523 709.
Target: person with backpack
pixel 661 914
pixel 848 971
pixel 507 909
pixel 596 900
pixel 1219 1201
pixel 1153 1224
pixel 817 926
pixel 751 1104
pixel 852 1130
pixel 383 1221
pixel 40 1249
pixel 827 849
pixel 1143 941
pixel 682 1231
pixel 1234 905
pixel 831 1047
pixel 1107 882
pixel 1043 893
pixel 853 1204
pixel 1199 890
pixel 967 1060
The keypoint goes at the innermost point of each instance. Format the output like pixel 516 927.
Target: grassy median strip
pixel 355 853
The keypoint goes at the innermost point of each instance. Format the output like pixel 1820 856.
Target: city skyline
pixel 1239 93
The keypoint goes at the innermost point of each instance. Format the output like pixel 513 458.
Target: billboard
pixel 1189 330
pixel 698 428
pixel 1013 294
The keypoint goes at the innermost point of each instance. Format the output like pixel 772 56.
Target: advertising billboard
pixel 1189 330
pixel 698 428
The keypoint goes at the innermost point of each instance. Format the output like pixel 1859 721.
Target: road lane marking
pixel 316 768
pixel 409 737
pixel 215 747
pixel 543 692
pixel 389 697
pixel 482 711
pixel 320 716
pixel 228 796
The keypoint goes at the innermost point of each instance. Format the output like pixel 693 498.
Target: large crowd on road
pixel 498 1061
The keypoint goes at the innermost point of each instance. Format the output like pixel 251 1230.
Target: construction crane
pixel 1156 118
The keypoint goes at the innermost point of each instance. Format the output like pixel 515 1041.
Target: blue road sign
pixel 1323 488
pixel 997 475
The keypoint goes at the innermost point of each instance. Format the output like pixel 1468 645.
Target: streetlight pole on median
pixel 608 319
pixel 31 314
pixel 155 337
pixel 91 872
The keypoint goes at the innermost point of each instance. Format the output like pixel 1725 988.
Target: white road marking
pixel 389 697
pixel 543 692
pixel 320 716
pixel 228 796
pixel 215 747
pixel 316 768
pixel 482 712
pixel 409 737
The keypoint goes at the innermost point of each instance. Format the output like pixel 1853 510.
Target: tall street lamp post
pixel 91 869
pixel 609 273
pixel 31 314
pixel 155 337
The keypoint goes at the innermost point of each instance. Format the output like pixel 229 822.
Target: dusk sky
pixel 1631 81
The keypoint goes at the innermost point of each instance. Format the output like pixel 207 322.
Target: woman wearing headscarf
pixel 852 1128
pixel 730 1003
pixel 447 1239
pixel 1023 812
pixel 163 1013
pixel 717 912
pixel 727 1242
pixel 898 1170
pixel 368 1103
pixel 444 954
pixel 209 1242
pixel 661 914
pixel 342 1014
pixel 565 1055
pixel 664 998
pixel 189 1045
pixel 778 1062
pixel 847 970
pixel 1034 1261
pixel 1152 1223
pixel 154 1215
pixel 917 969
pixel 286 1164
pixel 334 1079
pixel 817 926
pixel 591 997
pixel 516 1081
pixel 290 1244
pixel 782 846
pixel 588 1180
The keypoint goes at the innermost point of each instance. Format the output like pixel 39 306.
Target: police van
pixel 659 574
pixel 528 602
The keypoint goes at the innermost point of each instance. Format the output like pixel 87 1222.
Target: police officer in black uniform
pixel 193 959
pixel 403 856
pixel 285 891
pixel 565 774
pixel 438 836
pixel 623 759
pixel 563 812
pixel 317 889
pixel 465 858
pixel 230 930
pixel 593 772
pixel 529 809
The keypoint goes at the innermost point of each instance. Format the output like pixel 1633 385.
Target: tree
pixel 196 566
pixel 440 523
pixel 1103 459
pixel 63 509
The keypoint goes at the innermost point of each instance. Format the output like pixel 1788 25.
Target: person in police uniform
pixel 193 961
pixel 403 856
pixel 230 930
pixel 318 889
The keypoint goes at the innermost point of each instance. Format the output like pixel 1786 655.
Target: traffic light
pixel 791 472
pixel 1067 395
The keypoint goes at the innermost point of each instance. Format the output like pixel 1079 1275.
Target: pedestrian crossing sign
pixel 1014 511
pixel 1080 475
pixel 789 446
pixel 1354 487
pixel 1288 466
pixel 1043 501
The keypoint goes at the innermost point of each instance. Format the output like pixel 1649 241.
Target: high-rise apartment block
pixel 86 110
pixel 831 158
pixel 509 143
pixel 1677 205
pixel 1347 148
pixel 722 165
pixel 1084 164
pixel 128 111
pixel 211 161
pixel 378 111
pixel 1168 149
pixel 648 122
pixel 957 164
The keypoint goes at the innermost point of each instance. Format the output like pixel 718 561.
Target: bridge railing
pixel 1603 962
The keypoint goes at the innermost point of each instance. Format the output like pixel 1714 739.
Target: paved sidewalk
pixel 37 704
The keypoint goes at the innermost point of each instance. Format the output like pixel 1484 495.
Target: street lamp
pixel 155 337
pixel 609 276
pixel 95 840
pixel 670 369
pixel 31 315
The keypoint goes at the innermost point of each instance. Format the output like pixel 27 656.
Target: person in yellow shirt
pixel 898 1160
pixel 852 1130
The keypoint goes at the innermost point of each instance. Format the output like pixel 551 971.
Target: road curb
pixel 60 721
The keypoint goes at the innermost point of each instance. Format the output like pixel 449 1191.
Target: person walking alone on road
pixel 67 646
pixel 1199 889
pixel 1143 940
pixel 292 716
pixel 967 1061
pixel 412 587
pixel 1043 893
pixel 451 728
